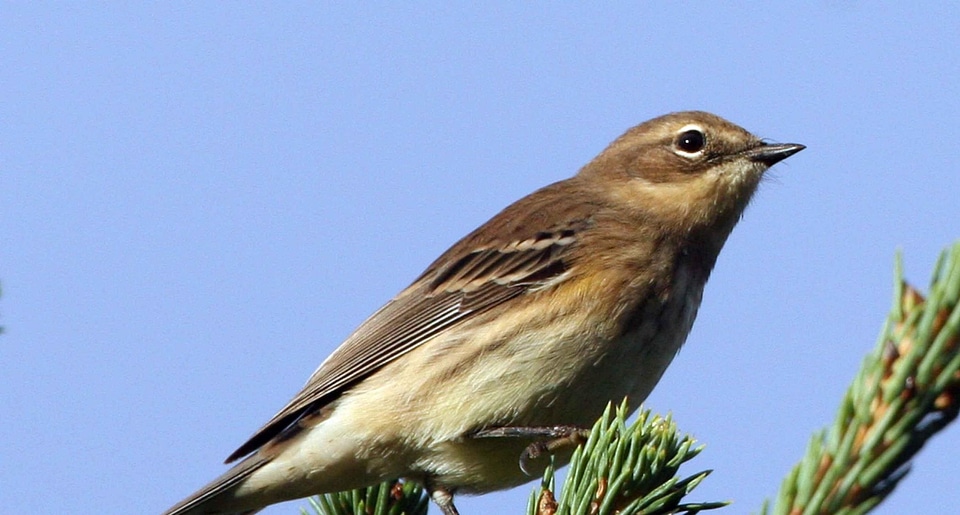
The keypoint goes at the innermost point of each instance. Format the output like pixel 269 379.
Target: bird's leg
pixel 443 498
pixel 557 437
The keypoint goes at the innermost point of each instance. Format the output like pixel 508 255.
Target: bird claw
pixel 557 438
pixel 532 452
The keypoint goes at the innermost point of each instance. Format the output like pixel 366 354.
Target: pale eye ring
pixel 691 140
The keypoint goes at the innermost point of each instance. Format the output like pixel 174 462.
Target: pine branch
pixel 625 470
pixel 906 391
pixel 390 498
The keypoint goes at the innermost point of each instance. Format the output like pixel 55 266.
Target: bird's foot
pixel 555 437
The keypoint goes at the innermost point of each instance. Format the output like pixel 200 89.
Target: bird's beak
pixel 770 154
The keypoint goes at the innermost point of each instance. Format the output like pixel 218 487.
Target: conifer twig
pixel 389 498
pixel 625 470
pixel 906 391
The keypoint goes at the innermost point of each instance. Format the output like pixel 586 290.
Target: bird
pixel 518 336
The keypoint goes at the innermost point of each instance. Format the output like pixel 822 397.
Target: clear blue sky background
pixel 198 202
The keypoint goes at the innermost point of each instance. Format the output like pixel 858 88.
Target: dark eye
pixel 691 141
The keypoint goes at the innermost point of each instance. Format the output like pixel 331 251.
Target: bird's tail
pixel 219 496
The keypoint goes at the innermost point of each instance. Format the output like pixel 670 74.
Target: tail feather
pixel 216 497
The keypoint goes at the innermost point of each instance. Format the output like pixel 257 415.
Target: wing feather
pixel 482 278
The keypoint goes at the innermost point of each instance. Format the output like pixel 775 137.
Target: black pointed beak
pixel 770 154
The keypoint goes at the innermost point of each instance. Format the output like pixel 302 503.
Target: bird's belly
pixel 579 389
pixel 571 388
pixel 484 464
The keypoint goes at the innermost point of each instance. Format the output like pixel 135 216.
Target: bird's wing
pixel 467 280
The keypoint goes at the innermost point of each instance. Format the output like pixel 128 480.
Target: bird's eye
pixel 691 141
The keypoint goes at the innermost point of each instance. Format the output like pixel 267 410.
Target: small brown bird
pixel 577 295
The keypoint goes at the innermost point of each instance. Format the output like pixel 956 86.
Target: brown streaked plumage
pixel 578 294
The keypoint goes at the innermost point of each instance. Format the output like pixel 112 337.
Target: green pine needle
pixel 625 470
pixel 906 391
pixel 389 498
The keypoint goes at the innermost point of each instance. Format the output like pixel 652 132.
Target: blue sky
pixel 199 201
